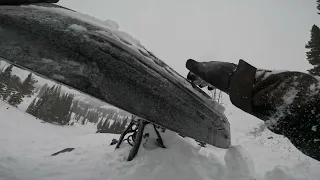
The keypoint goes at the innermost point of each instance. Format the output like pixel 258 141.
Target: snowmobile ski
pixel 136 127
pixel 96 58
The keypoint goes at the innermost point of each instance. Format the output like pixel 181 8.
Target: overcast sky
pixel 268 34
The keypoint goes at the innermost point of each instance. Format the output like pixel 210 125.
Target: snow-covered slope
pixel 26 145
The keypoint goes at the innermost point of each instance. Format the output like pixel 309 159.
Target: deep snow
pixel 26 145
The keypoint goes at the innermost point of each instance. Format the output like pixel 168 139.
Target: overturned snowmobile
pixel 96 58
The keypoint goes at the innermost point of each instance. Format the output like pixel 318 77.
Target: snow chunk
pixel 45 60
pixel 275 72
pixel 77 27
pixel 112 24
pixel 289 96
pixel 259 72
pixel 312 87
pixel 58 77
pixel 239 162
pixel 268 73
pixel 314 128
pixel 278 173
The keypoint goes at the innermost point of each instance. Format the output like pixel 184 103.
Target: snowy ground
pixel 26 145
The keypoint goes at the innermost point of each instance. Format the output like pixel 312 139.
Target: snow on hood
pixel 111 30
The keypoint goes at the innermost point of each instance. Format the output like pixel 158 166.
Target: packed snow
pixel 27 144
pixel 77 27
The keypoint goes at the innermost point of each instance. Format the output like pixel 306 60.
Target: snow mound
pixel 239 162
pixel 27 143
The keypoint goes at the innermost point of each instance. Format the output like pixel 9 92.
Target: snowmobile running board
pixel 96 58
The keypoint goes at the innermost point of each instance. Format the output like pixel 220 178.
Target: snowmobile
pixel 95 57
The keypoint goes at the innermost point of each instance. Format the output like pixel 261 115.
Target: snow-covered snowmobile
pixel 96 58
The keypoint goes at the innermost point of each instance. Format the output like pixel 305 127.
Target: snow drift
pixel 26 145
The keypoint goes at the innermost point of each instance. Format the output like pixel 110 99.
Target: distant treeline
pixel 117 127
pixel 54 106
pixel 12 89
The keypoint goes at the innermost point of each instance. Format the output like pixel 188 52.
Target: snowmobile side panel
pixel 70 48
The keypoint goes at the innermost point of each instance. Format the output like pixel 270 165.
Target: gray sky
pixel 268 34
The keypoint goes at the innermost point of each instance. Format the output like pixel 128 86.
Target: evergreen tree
pixel 68 106
pixel 31 107
pixel 94 117
pixel 48 100
pixel 5 79
pixel 13 87
pixel 318 5
pixel 313 55
pixel 15 99
pixel 68 118
pixel 5 76
pixel 42 90
pixel 117 127
pixel 111 128
pixel 56 104
pixel 37 90
pixel 124 124
pixel 83 122
pixel 27 86
pixel 75 106
pixel 99 125
pixel 61 109
pixel 2 89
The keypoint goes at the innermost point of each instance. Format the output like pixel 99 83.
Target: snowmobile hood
pixel 96 58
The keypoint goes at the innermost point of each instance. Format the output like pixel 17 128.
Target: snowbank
pixel 26 145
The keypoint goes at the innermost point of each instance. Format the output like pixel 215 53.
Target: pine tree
pixel 99 125
pixel 68 118
pixel 31 107
pixel 111 128
pixel 27 86
pixel 68 107
pixel 124 124
pixel 117 128
pixel 2 86
pixel 95 117
pixel 13 87
pixel 2 89
pixel 15 99
pixel 5 79
pixel 318 5
pixel 75 106
pixel 37 90
pixel 46 107
pixel 42 90
pixel 313 55
pixel 56 104
pixel 5 76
